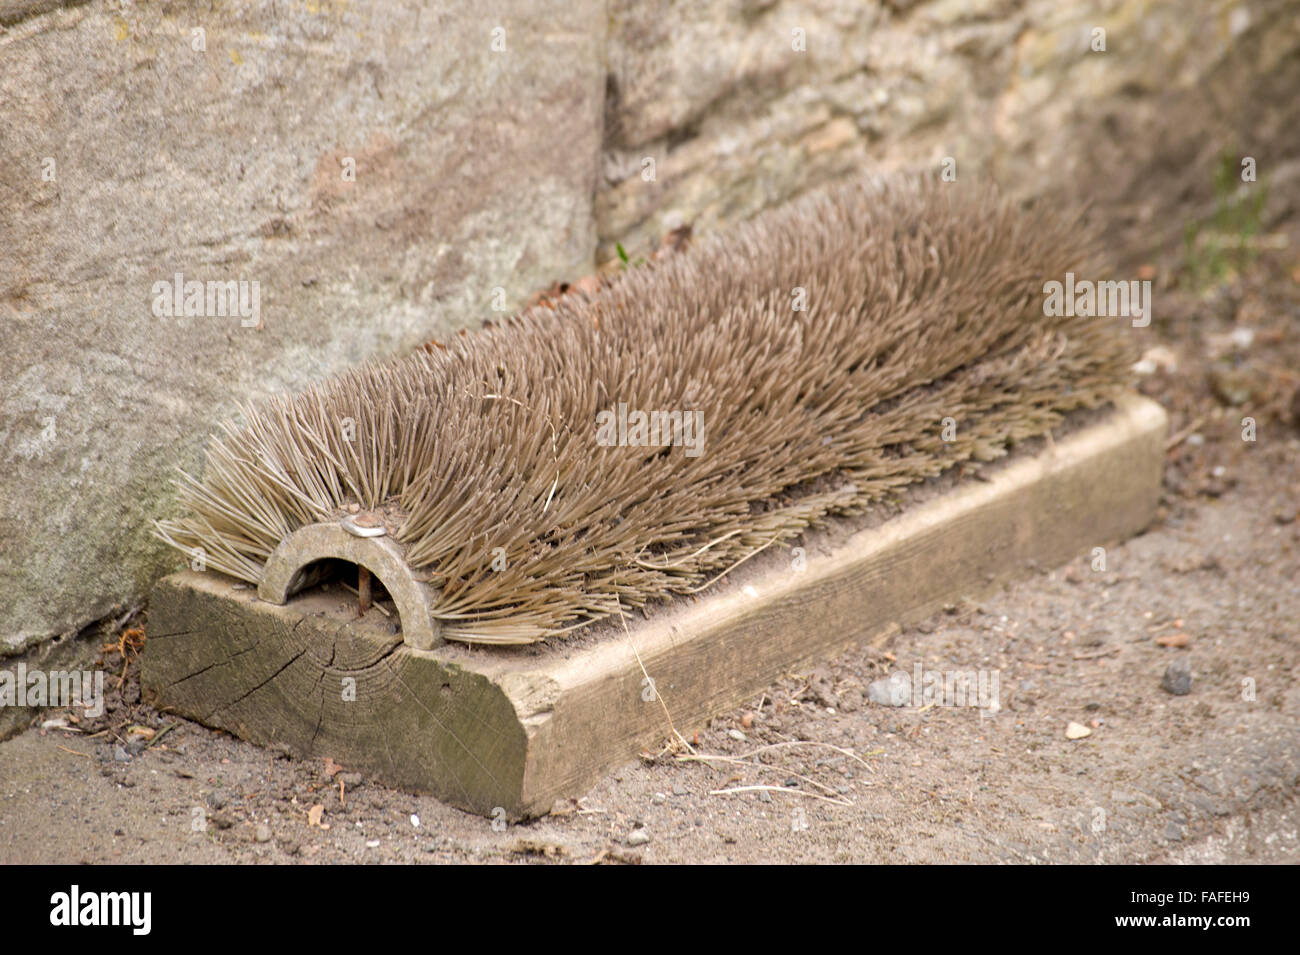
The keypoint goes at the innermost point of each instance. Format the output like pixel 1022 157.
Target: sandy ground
pixel 1206 777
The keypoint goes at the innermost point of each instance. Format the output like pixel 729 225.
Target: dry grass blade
pixel 779 789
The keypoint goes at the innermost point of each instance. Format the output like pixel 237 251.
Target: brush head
pixel 493 460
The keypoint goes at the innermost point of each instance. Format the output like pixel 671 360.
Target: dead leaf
pixel 332 768
pixel 677 240
pixel 314 814
pixel 538 847
pixel 1173 640
pixel 563 808
pixel 588 285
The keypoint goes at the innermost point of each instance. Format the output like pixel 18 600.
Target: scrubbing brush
pixel 607 451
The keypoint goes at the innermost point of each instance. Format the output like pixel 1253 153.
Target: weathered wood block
pixel 518 727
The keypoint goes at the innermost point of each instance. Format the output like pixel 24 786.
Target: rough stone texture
pixel 474 169
pixel 736 119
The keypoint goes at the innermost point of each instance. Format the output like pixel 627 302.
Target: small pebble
pixel 262 833
pixel 679 789
pixel 893 690
pixel 1075 730
pixel 638 837
pixel 1178 678
pixel 1242 337
pixel 736 735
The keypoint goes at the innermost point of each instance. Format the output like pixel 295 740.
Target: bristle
pixel 924 302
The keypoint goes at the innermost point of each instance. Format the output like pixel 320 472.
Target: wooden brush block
pixel 515 728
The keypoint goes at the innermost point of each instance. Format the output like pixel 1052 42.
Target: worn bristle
pixel 923 302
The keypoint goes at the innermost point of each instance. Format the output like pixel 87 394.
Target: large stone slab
pixel 741 104
pixel 147 140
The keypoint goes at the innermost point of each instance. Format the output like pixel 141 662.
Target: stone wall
pixel 127 156
pixel 494 150
pixel 736 118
